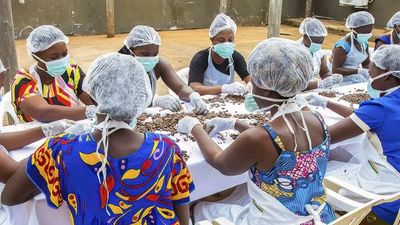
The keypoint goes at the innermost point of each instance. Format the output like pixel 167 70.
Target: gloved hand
pixel 316 100
pixel 90 111
pixel 57 127
pixel 186 124
pixel 167 102
pixel 364 73
pixel 330 81
pixel 234 88
pixel 200 106
pixel 217 125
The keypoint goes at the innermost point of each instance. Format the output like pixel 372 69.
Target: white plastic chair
pixel 7 108
pixel 184 75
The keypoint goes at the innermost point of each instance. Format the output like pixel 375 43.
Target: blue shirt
pixel 382 116
pixel 143 186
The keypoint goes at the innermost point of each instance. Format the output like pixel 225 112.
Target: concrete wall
pixel 382 10
pixel 85 17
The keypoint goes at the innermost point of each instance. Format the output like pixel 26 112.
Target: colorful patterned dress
pixel 142 186
pixel 296 178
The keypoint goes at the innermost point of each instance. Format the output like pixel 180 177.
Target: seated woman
pixel 286 180
pixel 393 37
pixel 379 115
pixel 212 70
pixel 51 89
pixel 113 175
pixel 144 43
pixel 314 33
pixel 350 54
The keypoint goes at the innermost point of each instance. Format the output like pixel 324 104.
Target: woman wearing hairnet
pixel 379 116
pixel 393 37
pixel 314 33
pixel 212 70
pixel 143 43
pixel 286 180
pixel 52 88
pixel 113 175
pixel 350 54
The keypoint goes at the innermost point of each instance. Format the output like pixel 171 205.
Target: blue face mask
pixel 55 68
pixel 250 104
pixel 148 62
pixel 225 50
pixel 371 91
pixel 363 38
pixel 314 47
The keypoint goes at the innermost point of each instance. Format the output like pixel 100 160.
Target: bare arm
pixel 8 167
pixel 339 57
pixel 16 140
pixel 365 64
pixel 2 79
pixel 344 130
pixel 242 126
pixel 206 90
pixel 247 79
pixel 379 44
pixel 324 71
pixel 85 98
pixel 39 109
pixel 19 188
pixel 172 80
pixel 183 213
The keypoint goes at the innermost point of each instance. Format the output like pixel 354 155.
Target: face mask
pixel 371 91
pixel 148 62
pixel 314 47
pixel 252 106
pixel 362 38
pixel 133 123
pixel 376 93
pixel 55 68
pixel 225 50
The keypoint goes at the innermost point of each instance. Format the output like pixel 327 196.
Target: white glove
pixel 90 111
pixel 316 100
pixel 217 125
pixel 57 127
pixel 186 124
pixel 167 102
pixel 79 129
pixel 200 106
pixel 234 88
pixel 364 73
pixel 330 81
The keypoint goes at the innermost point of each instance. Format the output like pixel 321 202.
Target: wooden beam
pixel 110 18
pixel 274 18
pixel 223 6
pixel 8 53
pixel 309 6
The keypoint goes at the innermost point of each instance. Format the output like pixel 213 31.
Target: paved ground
pixel 178 47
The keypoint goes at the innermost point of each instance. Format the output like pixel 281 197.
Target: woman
pixel 51 89
pixel 282 155
pixel 350 54
pixel 314 33
pixel 2 76
pixel 144 43
pixel 212 70
pixel 392 37
pixel 380 116
pixel 113 175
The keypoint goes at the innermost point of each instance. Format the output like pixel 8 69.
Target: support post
pixel 274 18
pixel 223 6
pixel 110 18
pixel 309 6
pixel 8 52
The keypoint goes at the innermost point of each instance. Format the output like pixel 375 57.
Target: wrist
pixel 196 129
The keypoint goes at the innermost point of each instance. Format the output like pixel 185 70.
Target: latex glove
pixel 317 100
pixel 186 124
pixel 234 88
pixel 79 129
pixel 217 125
pixel 330 81
pixel 57 127
pixel 200 106
pixel 364 73
pixel 90 111
pixel 167 102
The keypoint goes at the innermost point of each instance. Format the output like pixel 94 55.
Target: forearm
pixel 54 112
pixel 206 90
pixel 17 140
pixel 344 71
pixel 242 126
pixel 340 109
pixel 184 92
pixel 8 167
pixel 207 146
pixel 183 213
pixel 312 85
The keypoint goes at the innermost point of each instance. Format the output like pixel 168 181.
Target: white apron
pixel 153 81
pixel 59 82
pixel 213 77
pixel 354 60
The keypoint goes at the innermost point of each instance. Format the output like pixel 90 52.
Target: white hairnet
pixel 313 28
pixel 220 23
pixel 395 20
pixel 142 35
pixel 359 19
pixel 120 86
pixel 281 65
pixel 387 58
pixel 43 37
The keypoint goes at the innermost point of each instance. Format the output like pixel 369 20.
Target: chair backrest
pixel 7 108
pixel 356 216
